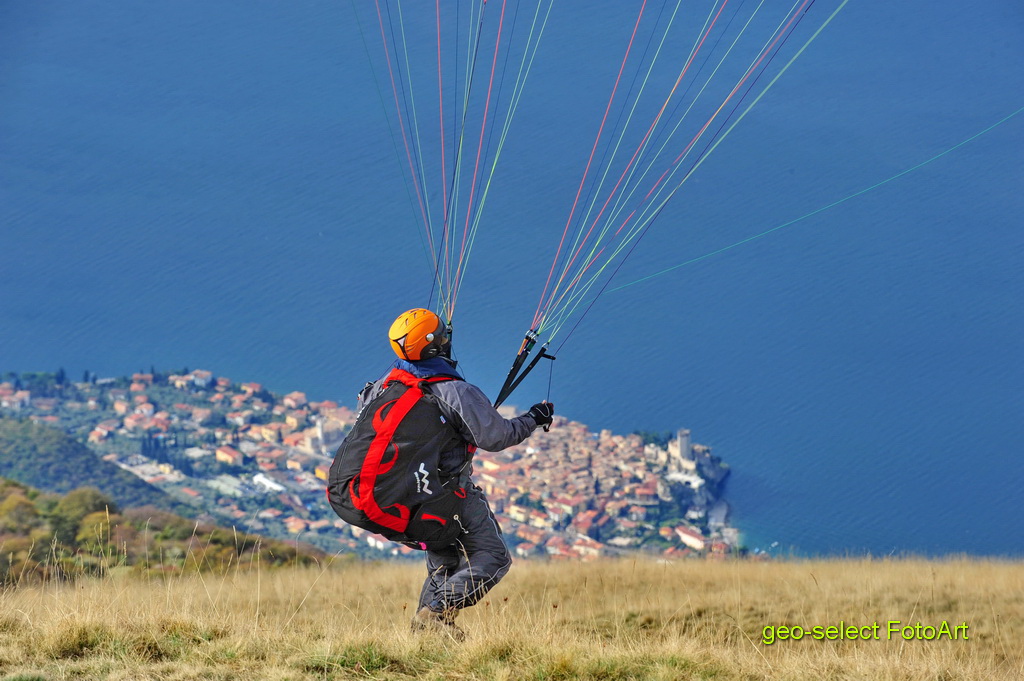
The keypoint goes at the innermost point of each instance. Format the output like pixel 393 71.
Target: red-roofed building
pixel 584 522
pixel 540 519
pixel 238 418
pixel 557 547
pixel 295 440
pixel 297 462
pixel 272 455
pixel 518 513
pixel 637 513
pixel 229 455
pixel 526 549
pixel 719 550
pixel 587 547
pixel 272 432
pixel 135 421
pixel 297 419
pixel 691 538
pixel 160 423
pixel 15 399
pixel 676 552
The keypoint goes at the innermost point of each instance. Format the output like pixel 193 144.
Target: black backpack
pixel 385 476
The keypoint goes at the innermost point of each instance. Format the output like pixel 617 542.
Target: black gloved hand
pixel 542 413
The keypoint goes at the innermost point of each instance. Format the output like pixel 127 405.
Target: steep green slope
pixel 50 460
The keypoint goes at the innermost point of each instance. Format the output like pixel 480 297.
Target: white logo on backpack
pixel 422 483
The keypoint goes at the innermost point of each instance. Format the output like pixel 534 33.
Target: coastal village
pixel 248 458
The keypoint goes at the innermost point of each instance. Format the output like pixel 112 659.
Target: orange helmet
pixel 418 334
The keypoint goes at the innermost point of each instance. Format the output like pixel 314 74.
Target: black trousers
pixel 459 575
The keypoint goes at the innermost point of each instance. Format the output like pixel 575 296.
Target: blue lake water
pixel 214 185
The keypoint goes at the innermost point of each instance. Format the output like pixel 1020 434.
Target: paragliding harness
pixel 385 475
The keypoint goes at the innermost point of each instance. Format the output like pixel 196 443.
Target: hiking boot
pixel 428 620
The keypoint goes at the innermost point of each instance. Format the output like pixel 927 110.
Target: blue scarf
pixel 425 368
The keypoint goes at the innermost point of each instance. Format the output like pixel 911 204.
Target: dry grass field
pixel 600 620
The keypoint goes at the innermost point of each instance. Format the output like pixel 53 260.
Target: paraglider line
pixel 777 47
pixel 529 55
pixel 643 231
pixel 621 202
pixel 594 299
pixel 586 170
pixel 401 122
pixel 854 195
pixel 643 142
pixel 483 127
pixel 472 46
pixel 595 185
pixel 440 104
pixel 624 196
pixel 472 225
pixel 613 146
pixel 428 246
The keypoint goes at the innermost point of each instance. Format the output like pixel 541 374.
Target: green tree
pixel 18 514
pixel 655 437
pixel 69 512
pixel 94 530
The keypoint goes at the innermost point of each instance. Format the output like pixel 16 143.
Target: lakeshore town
pixel 242 456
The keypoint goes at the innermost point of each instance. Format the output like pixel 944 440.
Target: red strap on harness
pixel 411 380
pixel 374 464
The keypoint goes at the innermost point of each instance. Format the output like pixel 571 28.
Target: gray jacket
pixel 470 412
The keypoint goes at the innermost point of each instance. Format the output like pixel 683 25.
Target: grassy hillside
pixel 51 460
pixel 603 620
pixel 52 537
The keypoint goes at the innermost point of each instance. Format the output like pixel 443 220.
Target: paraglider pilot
pixel 460 570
